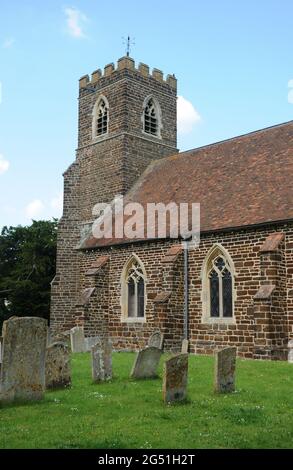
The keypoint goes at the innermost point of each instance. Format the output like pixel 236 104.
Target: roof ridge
pixel 241 136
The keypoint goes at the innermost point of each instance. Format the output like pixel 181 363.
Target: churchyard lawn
pixel 127 413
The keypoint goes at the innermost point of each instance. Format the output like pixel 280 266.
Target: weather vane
pixel 129 42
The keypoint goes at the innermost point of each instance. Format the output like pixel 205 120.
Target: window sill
pixel 133 320
pixel 218 321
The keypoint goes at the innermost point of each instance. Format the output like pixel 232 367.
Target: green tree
pixel 27 266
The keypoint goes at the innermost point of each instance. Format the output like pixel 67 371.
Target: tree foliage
pixel 27 266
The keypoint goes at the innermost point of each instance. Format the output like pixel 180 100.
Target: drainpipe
pixel 185 317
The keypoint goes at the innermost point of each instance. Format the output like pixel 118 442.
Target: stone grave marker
pixel 156 340
pixel 90 342
pixel 102 360
pixel 23 359
pixel 146 363
pixel 225 364
pixel 175 378
pixel 58 371
pixel 184 347
pixel 290 351
pixel 77 339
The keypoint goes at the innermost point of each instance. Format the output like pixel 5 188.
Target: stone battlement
pixel 127 63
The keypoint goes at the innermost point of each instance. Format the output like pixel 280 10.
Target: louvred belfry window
pixel 220 288
pixel 102 118
pixel 151 118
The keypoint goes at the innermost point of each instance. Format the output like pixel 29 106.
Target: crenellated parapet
pixel 127 63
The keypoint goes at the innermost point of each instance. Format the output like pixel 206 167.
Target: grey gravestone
pixel 175 378
pixel 156 340
pixel 77 339
pixel 23 359
pixel 184 347
pixel 290 351
pixel 58 372
pixel 102 360
pixel 146 363
pixel 90 342
pixel 1 339
pixel 225 365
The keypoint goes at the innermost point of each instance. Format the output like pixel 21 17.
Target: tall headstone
pixel 225 364
pixel 23 359
pixel 77 339
pixel 146 363
pixel 58 372
pixel 156 340
pixel 175 378
pixel 290 351
pixel 102 360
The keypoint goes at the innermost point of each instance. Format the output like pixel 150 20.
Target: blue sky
pixel 233 61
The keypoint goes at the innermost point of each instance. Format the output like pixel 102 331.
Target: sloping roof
pixel 243 181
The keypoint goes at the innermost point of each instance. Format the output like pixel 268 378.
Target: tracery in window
pixel 218 293
pixel 152 117
pixel 100 117
pixel 133 290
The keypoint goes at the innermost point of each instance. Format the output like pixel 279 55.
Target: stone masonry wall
pixel 272 323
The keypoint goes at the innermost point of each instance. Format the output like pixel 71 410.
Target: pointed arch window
pixel 218 287
pixel 100 117
pixel 152 117
pixel 133 291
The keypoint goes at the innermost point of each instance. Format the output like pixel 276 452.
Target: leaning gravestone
pixel 156 340
pixel 58 373
pixel 225 365
pixel 146 363
pixel 102 360
pixel 77 339
pixel 290 351
pixel 23 359
pixel 175 378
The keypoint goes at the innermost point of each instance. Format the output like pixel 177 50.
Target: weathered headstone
pixel 90 342
pixel 49 336
pixel 156 340
pixel 184 347
pixel 23 359
pixel 146 363
pixel 58 372
pixel 77 339
pixel 290 351
pixel 175 378
pixel 102 360
pixel 1 339
pixel 225 364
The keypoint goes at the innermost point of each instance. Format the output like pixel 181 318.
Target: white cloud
pixel 34 208
pixel 8 43
pixel 57 204
pixel 4 164
pixel 187 116
pixel 74 20
pixel 290 93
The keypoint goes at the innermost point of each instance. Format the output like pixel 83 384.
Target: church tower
pixel 127 119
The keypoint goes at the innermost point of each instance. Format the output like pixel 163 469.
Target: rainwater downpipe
pixel 185 316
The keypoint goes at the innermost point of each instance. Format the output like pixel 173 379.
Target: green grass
pixel 125 413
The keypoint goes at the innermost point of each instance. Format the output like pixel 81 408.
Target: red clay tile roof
pixel 239 182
